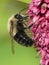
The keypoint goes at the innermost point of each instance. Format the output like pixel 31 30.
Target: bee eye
pixel 16 16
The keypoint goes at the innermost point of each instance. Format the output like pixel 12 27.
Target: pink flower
pixel 36 2
pixel 29 12
pixel 48 5
pixel 47 62
pixel 36 18
pixel 30 22
pixel 43 8
pixel 47 14
pixel 42 61
pixel 46 1
pixel 39 13
pixel 35 10
pixel 46 41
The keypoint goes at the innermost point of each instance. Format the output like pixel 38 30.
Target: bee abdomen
pixel 23 39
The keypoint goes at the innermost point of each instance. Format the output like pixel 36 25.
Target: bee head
pixel 18 16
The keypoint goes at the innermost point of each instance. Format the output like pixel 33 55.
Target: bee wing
pixel 27 30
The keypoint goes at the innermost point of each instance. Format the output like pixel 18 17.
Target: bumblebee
pixel 17 27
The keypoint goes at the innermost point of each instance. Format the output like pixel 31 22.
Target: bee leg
pixel 26 17
pixel 27 27
pixel 11 35
pixel 12 47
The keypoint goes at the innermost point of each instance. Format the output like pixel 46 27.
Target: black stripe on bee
pixel 23 39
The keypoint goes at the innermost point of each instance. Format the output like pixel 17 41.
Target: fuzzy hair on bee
pixel 12 25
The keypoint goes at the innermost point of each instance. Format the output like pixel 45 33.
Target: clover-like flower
pixel 39 13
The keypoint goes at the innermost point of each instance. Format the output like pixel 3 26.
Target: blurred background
pixel 23 55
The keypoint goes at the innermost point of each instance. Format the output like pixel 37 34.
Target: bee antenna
pixel 22 9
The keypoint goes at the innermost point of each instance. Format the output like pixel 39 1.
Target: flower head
pixel 39 13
